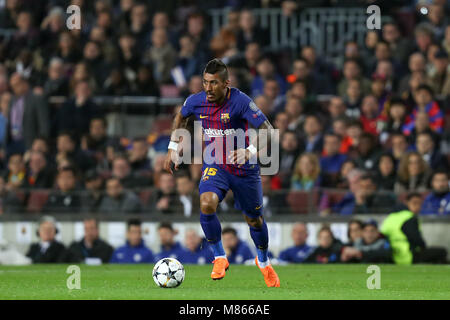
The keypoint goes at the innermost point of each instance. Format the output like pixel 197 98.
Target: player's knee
pixel 208 204
pixel 254 222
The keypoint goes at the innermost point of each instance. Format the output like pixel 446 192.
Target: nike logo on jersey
pixel 203 117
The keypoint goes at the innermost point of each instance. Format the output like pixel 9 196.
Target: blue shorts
pixel 247 190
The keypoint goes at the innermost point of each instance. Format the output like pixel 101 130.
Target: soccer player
pixel 223 110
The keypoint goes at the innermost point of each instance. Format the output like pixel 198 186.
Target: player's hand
pixel 172 157
pixel 239 156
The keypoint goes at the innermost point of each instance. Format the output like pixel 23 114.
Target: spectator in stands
pixel 342 179
pixel 83 73
pixel 66 198
pixel 249 31
pixel 328 249
pixel 446 41
pixel 198 249
pixel 188 195
pixel 300 251
pixel 161 55
pixel 416 64
pixel 116 84
pixel 317 84
pixel 138 156
pixel 56 84
pixel 274 202
pixel 140 25
pixel 336 107
pixel 306 174
pixel 438 201
pixel 313 138
pixel 402 229
pixel 364 199
pixel 352 71
pixel 188 59
pixel 16 174
pixel 67 149
pixel 425 146
pixel 39 175
pixel 76 114
pixel 266 70
pixel 68 50
pixel 271 91
pixel 288 154
pixel 237 251
pixel 134 250
pixel 121 170
pixel 48 249
pixel 93 57
pixel 425 103
pixel 94 191
pixel 117 200
pixel 367 152
pixel 353 99
pixel 331 160
pixel 96 141
pixel 295 111
pixel 399 144
pixel 165 199
pixel 10 201
pixel 145 83
pixel 370 115
pixel 281 122
pixel 354 231
pixel 28 116
pixel 437 19
pixel 439 80
pixel 385 172
pixel 412 173
pixel 91 248
pixel 395 119
pixel 398 45
pixel 170 247
pixel 370 248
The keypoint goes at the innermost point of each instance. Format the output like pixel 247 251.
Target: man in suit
pixel 28 116
pixel 48 249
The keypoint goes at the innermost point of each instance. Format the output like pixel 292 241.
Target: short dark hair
pixel 68 169
pixel 413 195
pixel 229 230
pixel 133 222
pixel 216 66
pixel 439 171
pixel 165 225
pixel 426 87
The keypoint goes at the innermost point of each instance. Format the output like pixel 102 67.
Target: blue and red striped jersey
pixel 221 123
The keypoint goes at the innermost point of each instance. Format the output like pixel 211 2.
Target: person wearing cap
pixel 47 249
pixel 371 247
pixel 439 80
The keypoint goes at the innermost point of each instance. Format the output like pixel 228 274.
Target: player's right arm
pixel 180 122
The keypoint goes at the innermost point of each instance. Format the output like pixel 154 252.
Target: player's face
pixel 214 87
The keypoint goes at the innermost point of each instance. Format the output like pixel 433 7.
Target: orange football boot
pixel 270 276
pixel 220 266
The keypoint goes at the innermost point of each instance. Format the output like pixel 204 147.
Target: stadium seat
pixel 37 201
pixel 302 202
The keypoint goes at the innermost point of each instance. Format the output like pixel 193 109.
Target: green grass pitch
pixel 240 283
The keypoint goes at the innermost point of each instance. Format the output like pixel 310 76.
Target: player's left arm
pixel 256 118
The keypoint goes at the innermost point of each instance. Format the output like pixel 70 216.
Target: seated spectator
pixel 118 200
pixel 306 175
pixel 367 152
pixel 395 119
pixel 294 109
pixel 353 99
pixel 328 249
pixel 313 137
pixel 426 147
pixel 138 156
pixel 331 160
pixel 425 103
pixel 90 249
pixel 121 169
pixel 300 250
pixel 370 115
pixel 352 71
pixel 95 143
pixel 342 178
pixel 94 191
pixel 385 172
pixel 198 249
pixel 316 83
pixel 439 80
pixel 161 55
pixel 16 174
pixel 438 201
pixel 365 199
pixel 402 229
pixel 274 202
pixel 281 122
pixel 266 70
pixel 188 196
pixel 39 174
pixel 134 250
pixel 237 251
pixel 10 202
pixel 66 148
pixel 48 249
pixel 188 59
pixel 169 247
pixel 66 198
pixel 354 231
pixel 413 173
pixel 399 145
pixel 249 31
pixel 164 199
pixel 370 248
pixel 76 114
pixel 289 152
pixel 116 84
pixel 145 83
pixel 56 84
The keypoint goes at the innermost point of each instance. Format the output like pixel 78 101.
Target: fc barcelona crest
pixel 225 117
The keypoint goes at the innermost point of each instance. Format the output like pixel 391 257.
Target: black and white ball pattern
pixel 168 273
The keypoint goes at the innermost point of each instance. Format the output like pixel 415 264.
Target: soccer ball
pixel 168 273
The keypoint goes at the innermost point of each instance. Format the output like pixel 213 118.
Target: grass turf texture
pixel 240 283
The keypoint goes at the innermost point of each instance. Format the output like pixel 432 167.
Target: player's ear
pixel 227 82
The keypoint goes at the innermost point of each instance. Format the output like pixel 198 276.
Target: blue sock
pixel 260 238
pixel 213 232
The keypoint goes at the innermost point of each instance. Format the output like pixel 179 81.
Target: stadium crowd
pixel 383 132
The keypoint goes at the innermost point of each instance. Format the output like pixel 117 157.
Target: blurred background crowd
pixel 359 131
